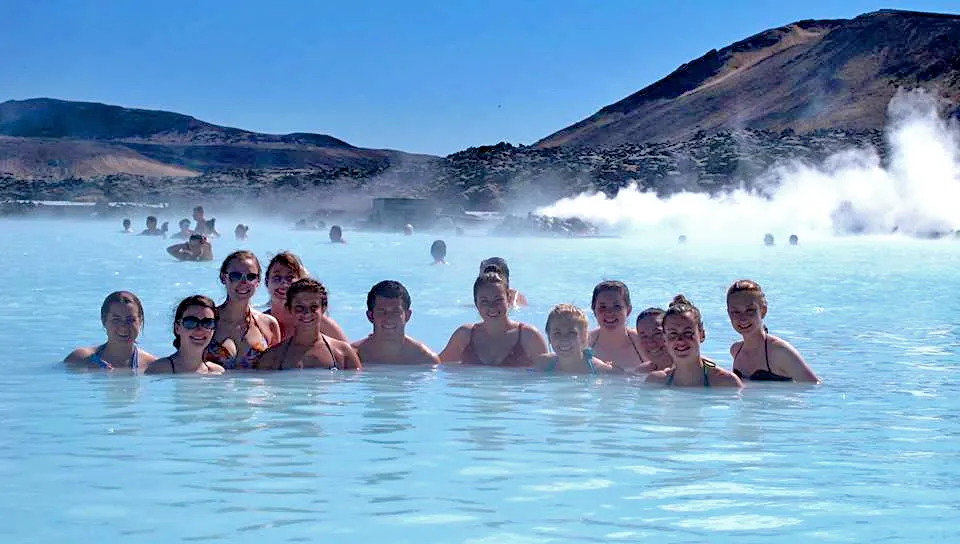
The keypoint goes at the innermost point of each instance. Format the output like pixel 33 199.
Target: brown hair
pixel 651 312
pixel 490 278
pixel 567 311
pixel 747 286
pixel 610 285
pixel 289 260
pixel 195 300
pixel 307 285
pixel 120 297
pixel 239 255
pixel 681 305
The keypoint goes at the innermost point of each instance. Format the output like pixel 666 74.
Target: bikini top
pixel 761 375
pixel 333 356
pixel 587 359
pixel 217 353
pixel 97 358
pixel 635 349
pixel 705 365
pixel 173 368
pixel 516 357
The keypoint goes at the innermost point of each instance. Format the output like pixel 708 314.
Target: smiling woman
pixel 193 326
pixel 284 269
pixel 122 316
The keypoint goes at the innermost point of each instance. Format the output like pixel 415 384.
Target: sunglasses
pixel 237 276
pixel 191 323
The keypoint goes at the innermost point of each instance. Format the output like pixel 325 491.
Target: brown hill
pixel 809 75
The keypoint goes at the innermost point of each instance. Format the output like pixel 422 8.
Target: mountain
pixel 44 138
pixel 806 76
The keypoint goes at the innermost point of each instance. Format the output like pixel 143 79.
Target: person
pixel 240 233
pixel 438 250
pixel 193 324
pixel 613 340
pixel 496 340
pixel 336 235
pixel 197 248
pixel 127 226
pixel 794 240
pixel 498 265
pixel 388 310
pixel 243 334
pixel 408 230
pixel 567 332
pixel 683 327
pixel 308 347
pixel 122 316
pixel 204 226
pixel 768 239
pixel 152 229
pixel 761 356
pixel 682 239
pixel 653 344
pixel 283 270
pixel 185 232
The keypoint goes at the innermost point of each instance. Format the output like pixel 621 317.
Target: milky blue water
pixel 484 455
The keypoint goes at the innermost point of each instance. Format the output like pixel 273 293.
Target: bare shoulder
pixel 658 376
pixel 270 358
pixel 158 366
pixel 543 360
pixel 268 322
pixel 80 355
pixel 779 346
pixel 146 357
pixel 422 351
pixel 723 377
pixel 735 347
pixel 359 344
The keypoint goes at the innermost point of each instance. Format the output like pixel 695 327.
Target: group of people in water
pixel 296 331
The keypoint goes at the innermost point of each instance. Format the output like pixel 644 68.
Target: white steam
pixel 918 192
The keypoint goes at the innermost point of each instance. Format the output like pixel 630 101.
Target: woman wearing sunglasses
pixel 243 334
pixel 193 326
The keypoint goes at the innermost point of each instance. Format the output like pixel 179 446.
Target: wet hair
pixel 610 285
pixel 388 289
pixel 127 222
pixel 196 236
pixel 307 285
pixel 240 254
pixel 567 311
pixel 195 300
pixel 495 264
pixel 490 278
pixel 198 209
pixel 747 286
pixel 151 219
pixel 120 297
pixel 336 233
pixel 438 250
pixel 184 223
pixel 682 305
pixel 289 260
pixel 651 312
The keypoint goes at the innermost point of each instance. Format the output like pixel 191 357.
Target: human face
pixel 279 279
pixel 241 279
pixel 611 310
pixel 307 309
pixel 567 337
pixel 198 337
pixel 388 315
pixel 683 336
pixel 492 301
pixel 745 312
pixel 123 323
pixel 198 214
pixel 652 340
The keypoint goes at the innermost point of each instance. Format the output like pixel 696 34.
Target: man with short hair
pixel 388 309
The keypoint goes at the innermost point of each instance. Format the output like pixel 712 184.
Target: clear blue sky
pixel 421 76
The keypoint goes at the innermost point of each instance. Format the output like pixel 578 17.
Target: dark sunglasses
pixel 237 276
pixel 191 323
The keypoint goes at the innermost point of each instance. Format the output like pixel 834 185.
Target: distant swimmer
pixel 567 332
pixel 127 226
pixel 243 334
pixel 388 310
pixel 284 270
pixel 496 340
pixel 240 233
pixel 684 331
pixel 184 232
pixel 613 340
pixel 653 344
pixel 204 226
pixel 438 250
pixel 768 239
pixel 193 326
pixel 308 347
pixel 499 266
pixel 408 230
pixel 152 229
pixel 196 248
pixel 794 240
pixel 760 356
pixel 336 235
pixel 682 239
pixel 122 317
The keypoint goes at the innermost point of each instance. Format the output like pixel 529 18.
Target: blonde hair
pixel 567 311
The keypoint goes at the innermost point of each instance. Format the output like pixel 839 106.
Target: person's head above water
pixel 388 306
pixel 284 269
pixel 746 306
pixel 491 295
pixel 438 250
pixel 240 273
pixel 126 224
pixel 768 239
pixel 307 299
pixel 198 213
pixel 683 328
pixel 650 333
pixel 682 239
pixel 794 239
pixel 567 329
pixel 151 222
pixel 611 304
pixel 336 233
pixel 184 224
pixel 195 320
pixel 408 229
pixel 122 316
pixel 497 265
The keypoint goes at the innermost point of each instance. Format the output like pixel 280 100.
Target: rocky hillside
pixel 806 76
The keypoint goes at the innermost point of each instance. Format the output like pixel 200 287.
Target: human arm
pixel 79 356
pixel 533 342
pixel 349 356
pixel 331 328
pixel 657 376
pixel 455 346
pixel 787 361
pixel 159 366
